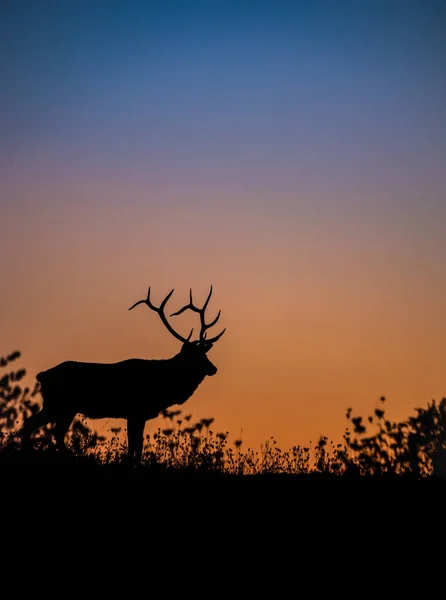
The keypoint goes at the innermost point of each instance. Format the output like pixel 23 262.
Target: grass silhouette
pixel 189 450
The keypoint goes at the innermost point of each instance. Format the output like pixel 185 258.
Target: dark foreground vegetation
pixel 392 465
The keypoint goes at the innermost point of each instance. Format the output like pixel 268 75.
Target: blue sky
pixel 288 85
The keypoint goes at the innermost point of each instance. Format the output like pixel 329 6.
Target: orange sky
pixel 296 163
pixel 319 315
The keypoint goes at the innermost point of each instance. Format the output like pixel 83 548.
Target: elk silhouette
pixel 135 389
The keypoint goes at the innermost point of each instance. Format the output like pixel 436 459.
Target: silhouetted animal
pixel 134 389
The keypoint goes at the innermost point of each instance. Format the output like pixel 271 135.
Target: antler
pixel 160 311
pixel 201 311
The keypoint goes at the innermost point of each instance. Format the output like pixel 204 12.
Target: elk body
pixel 135 389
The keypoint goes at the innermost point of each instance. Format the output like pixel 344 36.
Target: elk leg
pixel 38 420
pixel 60 429
pixel 135 436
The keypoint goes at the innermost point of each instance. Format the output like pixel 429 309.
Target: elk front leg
pixel 135 436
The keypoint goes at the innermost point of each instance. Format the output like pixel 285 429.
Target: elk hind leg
pixel 61 427
pixel 34 422
pixel 135 437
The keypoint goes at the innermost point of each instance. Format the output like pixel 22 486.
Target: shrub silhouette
pixel 16 403
pixel 415 447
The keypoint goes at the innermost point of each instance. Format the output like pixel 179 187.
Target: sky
pixel 291 154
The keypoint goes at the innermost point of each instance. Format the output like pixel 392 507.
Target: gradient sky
pixel 293 154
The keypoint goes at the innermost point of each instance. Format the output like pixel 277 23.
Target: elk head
pixel 193 352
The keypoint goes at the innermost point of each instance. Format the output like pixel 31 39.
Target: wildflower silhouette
pixel 414 447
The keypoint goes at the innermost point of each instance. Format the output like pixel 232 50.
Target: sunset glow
pixel 293 155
